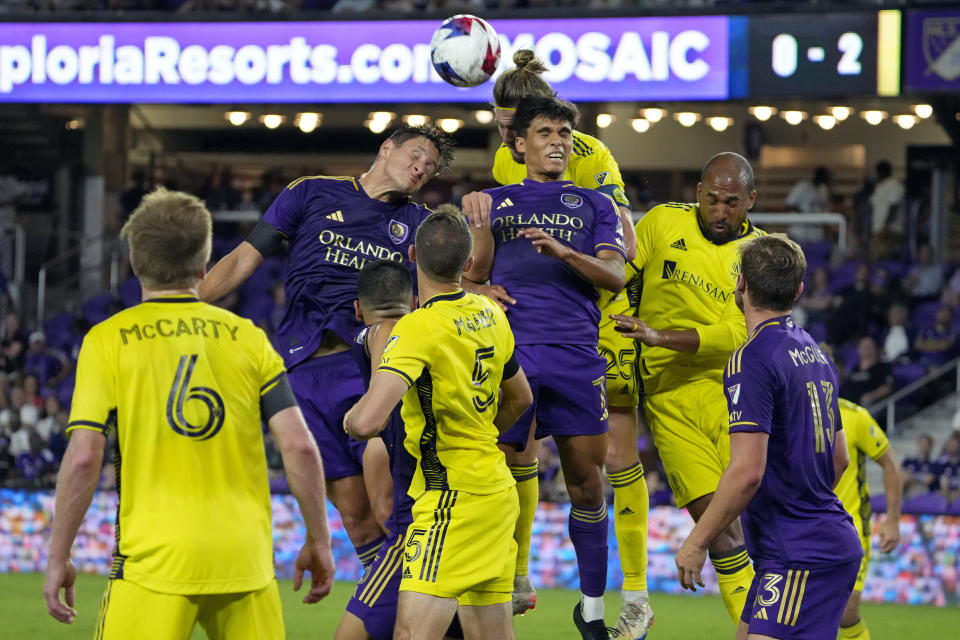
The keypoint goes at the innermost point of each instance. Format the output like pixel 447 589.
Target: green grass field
pixel 24 615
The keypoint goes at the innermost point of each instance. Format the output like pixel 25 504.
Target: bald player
pixel 687 325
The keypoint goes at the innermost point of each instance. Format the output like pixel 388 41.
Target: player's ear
pixel 357 311
pixel 698 192
pixel 750 201
pixel 742 284
pixel 520 144
pixel 468 264
pixel 386 147
pixel 799 292
pixel 412 253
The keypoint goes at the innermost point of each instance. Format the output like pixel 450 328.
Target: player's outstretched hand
pixel 889 535
pixel 316 558
pixel 690 561
pixel 635 328
pixel 545 243
pixel 498 294
pixel 477 206
pixel 60 575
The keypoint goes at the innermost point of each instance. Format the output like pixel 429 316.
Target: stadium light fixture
pixel 640 125
pixel 76 123
pixel 905 120
pixel 793 117
pixel 307 122
pixel 237 118
pixel 376 126
pixel 415 120
pixel 763 113
pixel 825 122
pixel 653 115
pixel 840 113
pixel 923 110
pixel 271 120
pixel 719 123
pixel 687 118
pixel 483 116
pixel 449 124
pixel 873 116
pixel 604 120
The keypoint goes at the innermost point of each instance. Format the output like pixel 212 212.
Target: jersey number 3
pixel 181 392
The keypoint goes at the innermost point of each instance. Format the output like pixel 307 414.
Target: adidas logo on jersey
pixel 506 203
pixel 761 614
pixel 406 573
pixel 679 244
pixel 626 511
pixel 336 215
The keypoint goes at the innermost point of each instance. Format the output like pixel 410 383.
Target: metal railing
pixel 19 251
pixel 110 248
pixel 819 219
pixel 890 402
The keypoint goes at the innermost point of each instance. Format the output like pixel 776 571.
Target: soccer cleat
pixel 636 618
pixel 593 630
pixel 524 595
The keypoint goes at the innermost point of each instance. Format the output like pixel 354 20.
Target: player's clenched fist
pixel 476 207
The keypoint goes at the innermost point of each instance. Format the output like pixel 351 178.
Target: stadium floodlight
pixel 449 124
pixel 307 122
pixel 415 120
pixel 687 118
pixel 873 116
pixel 653 115
pixel 840 113
pixel 483 116
pixel 762 112
pixel 376 126
pixel 825 122
pixel 237 118
pixel 640 125
pixel 76 123
pixel 271 120
pixel 604 120
pixel 923 110
pixel 719 123
pixel 905 120
pixel 793 117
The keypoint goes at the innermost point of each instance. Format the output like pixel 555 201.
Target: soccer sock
pixel 734 575
pixel 591 608
pixel 588 532
pixel 528 491
pixel 631 507
pixel 368 552
pixel 858 631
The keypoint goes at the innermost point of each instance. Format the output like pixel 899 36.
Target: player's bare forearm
pixel 682 340
pixel 517 398
pixel 76 484
pixel 737 486
pixel 841 457
pixel 483 252
pixel 230 272
pixel 370 414
pixel 605 271
pixel 303 467
pixel 629 234
pixel 892 486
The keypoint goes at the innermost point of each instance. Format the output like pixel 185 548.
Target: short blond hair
pixel 169 235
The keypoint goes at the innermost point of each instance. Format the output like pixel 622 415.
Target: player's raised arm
pixel 369 416
pixel 230 272
pixel 889 533
pixel 605 270
pixel 517 396
pixel 76 484
pixel 301 462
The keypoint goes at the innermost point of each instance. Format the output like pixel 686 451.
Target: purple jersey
pixel 334 228
pixel 555 305
pixel 402 464
pixel 781 384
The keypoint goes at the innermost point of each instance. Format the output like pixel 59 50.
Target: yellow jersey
pixel 864 439
pixel 686 282
pixel 452 352
pixel 181 381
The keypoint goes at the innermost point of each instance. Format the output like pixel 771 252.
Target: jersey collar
pixel 180 298
pixel 440 297
pixel 563 182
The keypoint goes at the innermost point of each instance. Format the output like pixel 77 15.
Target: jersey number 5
pixel 181 392
pixel 818 427
pixel 480 377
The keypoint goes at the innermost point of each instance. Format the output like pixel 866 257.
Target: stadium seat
pixel 818 331
pixel 842 276
pixel 129 292
pixel 904 374
pixel 98 308
pixel 924 314
pixel 849 355
pixel 955 508
pixel 932 503
pixel 59 332
pixel 878 503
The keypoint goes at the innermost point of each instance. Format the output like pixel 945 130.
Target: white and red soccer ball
pixel 465 50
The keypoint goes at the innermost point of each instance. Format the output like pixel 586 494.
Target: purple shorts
pixel 375 599
pixel 799 603
pixel 569 384
pixel 326 388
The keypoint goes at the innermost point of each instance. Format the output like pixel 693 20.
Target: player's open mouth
pixel 555 156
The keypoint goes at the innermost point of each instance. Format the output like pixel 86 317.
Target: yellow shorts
pixel 865 543
pixel 690 427
pixel 621 356
pixel 129 611
pixel 460 545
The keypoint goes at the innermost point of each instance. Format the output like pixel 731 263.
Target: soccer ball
pixel 465 50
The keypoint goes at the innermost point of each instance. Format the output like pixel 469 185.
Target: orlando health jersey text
pixel 334 228
pixel 780 383
pixel 554 303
